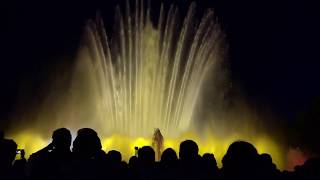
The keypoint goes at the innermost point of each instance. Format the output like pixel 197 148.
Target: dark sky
pixel 273 52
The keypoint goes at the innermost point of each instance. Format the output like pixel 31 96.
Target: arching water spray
pixel 149 76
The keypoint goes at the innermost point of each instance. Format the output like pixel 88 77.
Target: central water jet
pixel 147 76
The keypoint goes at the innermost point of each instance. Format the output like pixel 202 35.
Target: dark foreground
pixel 88 161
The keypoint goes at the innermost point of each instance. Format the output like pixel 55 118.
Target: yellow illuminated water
pixel 32 142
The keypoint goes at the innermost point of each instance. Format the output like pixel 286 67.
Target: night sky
pixel 273 48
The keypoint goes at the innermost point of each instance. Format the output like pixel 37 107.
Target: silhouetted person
pixel 53 161
pixel 8 150
pixel 114 157
pixel 87 144
pixel 169 156
pixel 117 168
pixel 188 150
pixel 189 163
pixel 267 169
pixel 169 164
pixel 146 163
pixel 89 160
pixel 146 155
pixel 209 165
pixel 19 166
pixel 240 161
pixel 133 166
pixel 133 161
pixel 310 170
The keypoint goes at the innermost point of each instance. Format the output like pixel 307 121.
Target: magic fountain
pixel 145 76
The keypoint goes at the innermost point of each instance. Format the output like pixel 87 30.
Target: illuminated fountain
pixel 144 77
pixel 149 77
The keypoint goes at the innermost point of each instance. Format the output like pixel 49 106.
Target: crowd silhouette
pixel 87 160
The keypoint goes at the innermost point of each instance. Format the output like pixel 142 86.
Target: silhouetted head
pixel 114 156
pixel 8 150
pixel 146 154
pixel 87 143
pixel 240 154
pixel 311 168
pixel 265 162
pixel 133 161
pixel 61 138
pixel 188 150
pixel 169 155
pixel 265 158
pixel 209 159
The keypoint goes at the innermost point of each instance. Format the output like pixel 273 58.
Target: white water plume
pixel 145 76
